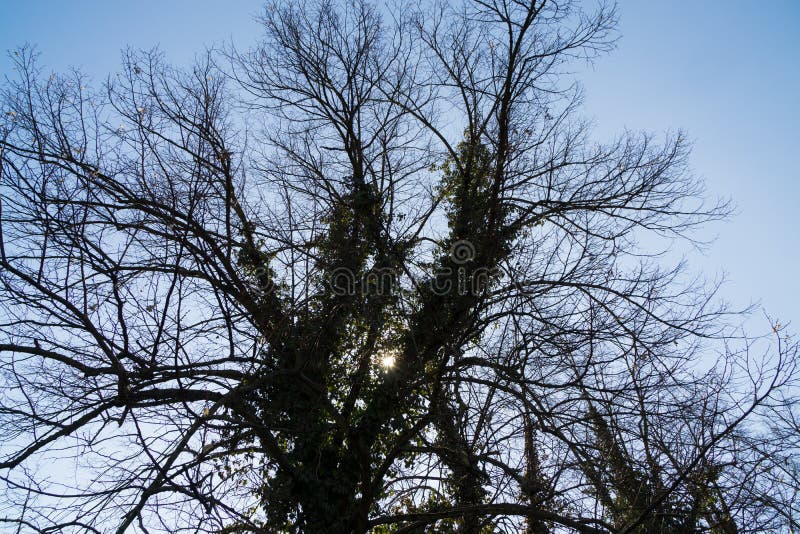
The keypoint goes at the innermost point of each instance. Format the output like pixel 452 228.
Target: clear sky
pixel 725 71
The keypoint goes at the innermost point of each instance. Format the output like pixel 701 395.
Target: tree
pixel 372 275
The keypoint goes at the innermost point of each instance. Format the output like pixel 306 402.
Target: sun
pixel 388 361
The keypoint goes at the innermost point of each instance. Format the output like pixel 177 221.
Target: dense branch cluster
pixel 373 275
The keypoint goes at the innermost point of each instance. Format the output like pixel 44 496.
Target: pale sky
pixel 725 71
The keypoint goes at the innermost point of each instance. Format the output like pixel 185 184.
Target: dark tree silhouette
pixel 372 275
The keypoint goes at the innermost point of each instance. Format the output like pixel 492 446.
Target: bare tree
pixel 372 275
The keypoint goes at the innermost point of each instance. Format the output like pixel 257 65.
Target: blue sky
pixel 728 73
pixel 725 71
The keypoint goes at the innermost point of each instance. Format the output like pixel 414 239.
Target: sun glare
pixel 387 361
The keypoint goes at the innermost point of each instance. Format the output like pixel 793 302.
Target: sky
pixel 727 72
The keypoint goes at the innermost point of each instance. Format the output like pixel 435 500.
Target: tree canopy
pixel 374 274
